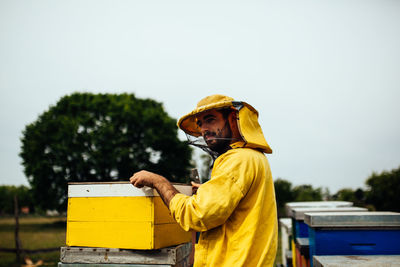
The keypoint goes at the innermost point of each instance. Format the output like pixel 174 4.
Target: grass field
pixel 39 233
pixel 35 233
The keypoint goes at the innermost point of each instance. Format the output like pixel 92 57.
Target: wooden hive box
pixel 119 215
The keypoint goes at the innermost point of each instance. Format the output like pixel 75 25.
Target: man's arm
pixel 158 182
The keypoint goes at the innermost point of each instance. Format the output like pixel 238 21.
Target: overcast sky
pixel 324 75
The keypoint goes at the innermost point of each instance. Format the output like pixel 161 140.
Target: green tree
pixel 284 194
pixel 356 196
pixel 345 194
pixel 307 193
pixel 99 137
pixel 383 190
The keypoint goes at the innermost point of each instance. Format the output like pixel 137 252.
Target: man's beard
pixel 220 144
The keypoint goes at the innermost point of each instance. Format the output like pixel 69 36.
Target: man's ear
pixel 232 118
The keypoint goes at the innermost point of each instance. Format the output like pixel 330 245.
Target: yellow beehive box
pixel 119 215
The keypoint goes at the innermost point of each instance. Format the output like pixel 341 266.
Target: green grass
pixel 35 233
pixel 278 259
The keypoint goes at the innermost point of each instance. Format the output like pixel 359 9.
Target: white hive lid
pixel 378 219
pixel 117 189
pixel 290 205
pixel 298 213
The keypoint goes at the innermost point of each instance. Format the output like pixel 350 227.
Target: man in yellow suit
pixel 235 211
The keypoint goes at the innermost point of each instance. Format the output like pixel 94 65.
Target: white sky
pixel 324 75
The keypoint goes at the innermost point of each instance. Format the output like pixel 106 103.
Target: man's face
pixel 213 127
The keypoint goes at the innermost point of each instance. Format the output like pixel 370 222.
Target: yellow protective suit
pixel 236 210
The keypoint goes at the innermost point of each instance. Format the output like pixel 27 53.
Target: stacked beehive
pixel 119 216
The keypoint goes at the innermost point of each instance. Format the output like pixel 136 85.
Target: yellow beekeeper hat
pixel 247 120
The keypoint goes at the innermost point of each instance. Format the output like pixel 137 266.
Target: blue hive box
pixel 358 233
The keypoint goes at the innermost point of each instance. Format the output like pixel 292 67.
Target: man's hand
pixel 195 186
pixel 145 178
pixel 160 183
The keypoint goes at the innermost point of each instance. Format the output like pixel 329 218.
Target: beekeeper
pixel 235 211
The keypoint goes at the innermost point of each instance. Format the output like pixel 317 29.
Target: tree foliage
pixel 357 197
pixel 99 137
pixel 307 193
pixel 285 192
pixel 382 193
pixel 383 190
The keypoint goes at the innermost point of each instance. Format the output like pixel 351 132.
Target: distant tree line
pixel 381 193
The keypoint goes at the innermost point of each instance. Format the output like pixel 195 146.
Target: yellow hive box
pixel 119 215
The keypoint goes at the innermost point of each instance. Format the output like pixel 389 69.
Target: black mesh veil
pixel 201 143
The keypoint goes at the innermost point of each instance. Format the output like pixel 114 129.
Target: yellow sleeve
pixel 215 200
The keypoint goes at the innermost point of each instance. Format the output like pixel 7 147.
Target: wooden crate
pixel 119 215
pixel 175 256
